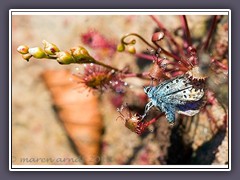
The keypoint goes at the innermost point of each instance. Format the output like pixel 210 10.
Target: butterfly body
pixel 183 94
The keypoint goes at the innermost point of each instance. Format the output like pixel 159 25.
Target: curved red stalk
pixel 146 124
pixel 213 26
pixel 186 29
pixel 144 56
pixel 172 55
pixel 167 33
pixel 218 63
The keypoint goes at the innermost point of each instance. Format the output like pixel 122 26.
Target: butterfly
pixel 183 94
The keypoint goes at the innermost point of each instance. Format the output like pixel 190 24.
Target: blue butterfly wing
pixel 169 110
pixel 171 92
pixel 177 95
pixel 174 85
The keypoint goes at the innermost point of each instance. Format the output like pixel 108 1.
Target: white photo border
pixel 117 167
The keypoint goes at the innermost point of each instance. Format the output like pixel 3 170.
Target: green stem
pixel 106 66
pixel 90 60
pixel 139 36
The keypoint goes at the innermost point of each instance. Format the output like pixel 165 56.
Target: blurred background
pixel 56 121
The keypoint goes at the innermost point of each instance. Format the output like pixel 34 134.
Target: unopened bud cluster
pixel 50 51
pixel 129 47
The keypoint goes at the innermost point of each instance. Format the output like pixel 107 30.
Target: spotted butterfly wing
pixel 177 95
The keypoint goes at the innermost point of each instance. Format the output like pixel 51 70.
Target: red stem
pixel 144 56
pixel 219 64
pixel 146 124
pixel 213 26
pixel 144 75
pixel 186 29
pixel 172 55
pixel 167 33
pixel 211 98
pixel 177 73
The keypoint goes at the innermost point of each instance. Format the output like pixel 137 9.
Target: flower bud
pixel 131 49
pixel 50 48
pixel 120 47
pixel 37 52
pixel 23 49
pixel 26 56
pixel 81 55
pixel 64 57
pixel 79 52
pixel 157 36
